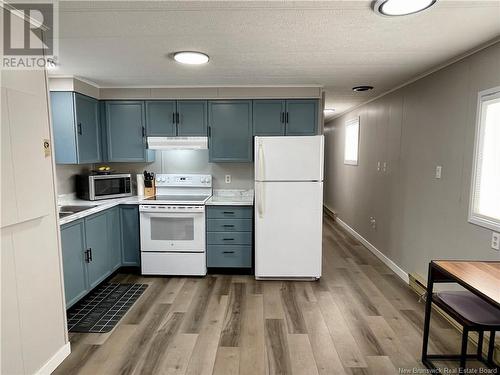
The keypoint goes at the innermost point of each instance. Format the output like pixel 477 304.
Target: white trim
pixel 389 263
pixel 55 361
pixel 473 217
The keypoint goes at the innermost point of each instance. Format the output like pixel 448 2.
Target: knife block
pixel 149 191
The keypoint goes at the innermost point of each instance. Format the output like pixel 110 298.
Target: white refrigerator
pixel 288 207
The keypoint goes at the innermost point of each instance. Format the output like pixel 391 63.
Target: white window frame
pixel 352 122
pixel 474 217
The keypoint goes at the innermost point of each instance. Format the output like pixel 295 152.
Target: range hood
pixel 177 143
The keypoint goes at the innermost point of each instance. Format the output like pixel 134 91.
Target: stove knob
pixel 163 179
pixel 202 179
pixel 158 179
pixel 207 180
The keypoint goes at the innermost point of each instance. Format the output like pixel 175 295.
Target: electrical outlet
pixel 378 166
pixel 495 241
pixel 373 222
pixel 438 171
pixel 384 167
pixel 228 179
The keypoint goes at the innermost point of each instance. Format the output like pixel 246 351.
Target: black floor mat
pixel 103 308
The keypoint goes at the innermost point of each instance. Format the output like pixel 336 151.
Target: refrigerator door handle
pixel 261 161
pixel 260 203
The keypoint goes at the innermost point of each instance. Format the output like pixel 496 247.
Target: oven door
pixel 165 231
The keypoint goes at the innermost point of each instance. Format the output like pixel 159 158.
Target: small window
pixel 484 207
pixel 351 146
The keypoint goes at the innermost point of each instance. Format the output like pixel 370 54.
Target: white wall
pixel 430 122
pixel 173 161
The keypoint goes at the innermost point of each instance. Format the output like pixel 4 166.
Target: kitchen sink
pixel 69 210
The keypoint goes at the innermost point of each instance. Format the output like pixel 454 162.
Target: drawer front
pixel 229 225
pixel 230 212
pixel 229 256
pixel 229 238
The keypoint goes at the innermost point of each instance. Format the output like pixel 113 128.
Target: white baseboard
pixel 388 262
pixel 55 361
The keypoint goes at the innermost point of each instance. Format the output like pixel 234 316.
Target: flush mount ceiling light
pixel 191 57
pixel 329 111
pixel 362 88
pixel 401 7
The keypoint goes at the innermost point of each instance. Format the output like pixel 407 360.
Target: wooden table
pixel 479 277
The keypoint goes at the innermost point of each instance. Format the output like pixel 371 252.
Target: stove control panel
pixel 189 180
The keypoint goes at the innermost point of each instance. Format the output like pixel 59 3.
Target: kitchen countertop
pixel 229 197
pixel 71 200
pixel 220 197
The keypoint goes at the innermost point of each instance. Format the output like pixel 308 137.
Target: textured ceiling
pixel 336 44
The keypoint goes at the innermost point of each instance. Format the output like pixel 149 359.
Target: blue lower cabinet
pixel 229 236
pixel 114 236
pixel 96 237
pixel 74 265
pixel 131 252
pixel 234 256
pixel 229 225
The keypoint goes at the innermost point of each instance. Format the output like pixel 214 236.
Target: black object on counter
pixel 148 179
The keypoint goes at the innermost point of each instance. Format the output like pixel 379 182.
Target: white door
pixel 288 229
pixel 289 158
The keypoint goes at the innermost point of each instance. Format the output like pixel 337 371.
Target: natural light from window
pixel 351 142
pixel 485 199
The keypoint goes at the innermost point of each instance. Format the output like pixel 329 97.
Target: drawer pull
pixel 228 252
pixel 228 225
pixel 228 239
pixel 229 212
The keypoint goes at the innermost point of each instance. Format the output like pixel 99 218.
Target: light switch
pixel 495 241
pixel 228 179
pixel 438 171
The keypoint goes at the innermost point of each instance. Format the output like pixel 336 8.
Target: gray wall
pixel 174 161
pixel 430 122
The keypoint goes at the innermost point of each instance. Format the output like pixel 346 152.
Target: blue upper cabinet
pixel 170 118
pixel 191 118
pixel 269 117
pixel 160 118
pixel 230 130
pixel 77 131
pixel 301 117
pixel 126 132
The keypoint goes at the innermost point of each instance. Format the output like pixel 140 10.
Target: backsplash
pixel 172 161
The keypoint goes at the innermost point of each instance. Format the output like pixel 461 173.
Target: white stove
pixel 173 226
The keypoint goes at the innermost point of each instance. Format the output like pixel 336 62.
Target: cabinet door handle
pixel 229 212
pixel 143 131
pixel 228 225
pixel 86 252
pixel 177 117
pixel 228 239
pixel 209 131
pixel 228 252
pixel 90 254
pixel 79 126
pixel 173 117
pixel 287 118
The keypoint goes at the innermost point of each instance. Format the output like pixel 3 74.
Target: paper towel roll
pixel 140 185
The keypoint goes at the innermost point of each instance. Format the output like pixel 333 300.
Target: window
pixel 351 146
pixel 484 207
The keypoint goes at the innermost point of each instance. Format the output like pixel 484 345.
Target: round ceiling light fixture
pixel 328 111
pixel 191 57
pixel 401 7
pixel 362 88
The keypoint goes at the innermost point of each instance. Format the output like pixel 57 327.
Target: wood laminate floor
pixel 360 318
